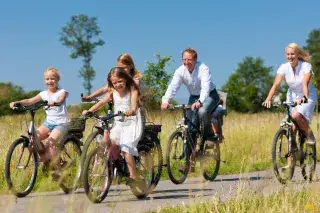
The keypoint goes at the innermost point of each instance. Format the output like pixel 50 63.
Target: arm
pixel 172 88
pixel 273 90
pixel 205 76
pixel 98 105
pixel 60 100
pixel 134 103
pixel 97 93
pixel 305 84
pixel 27 102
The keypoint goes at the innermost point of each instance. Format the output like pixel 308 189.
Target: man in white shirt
pixel 196 76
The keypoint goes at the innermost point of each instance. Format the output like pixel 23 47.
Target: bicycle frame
pixel 188 140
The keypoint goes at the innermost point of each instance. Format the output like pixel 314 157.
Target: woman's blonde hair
pixel 302 54
pixel 127 60
pixel 55 71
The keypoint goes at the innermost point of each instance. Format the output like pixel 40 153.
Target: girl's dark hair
pixel 121 73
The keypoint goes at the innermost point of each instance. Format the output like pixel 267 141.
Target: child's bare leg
pixel 43 133
pixel 113 151
pixel 131 166
pixel 54 137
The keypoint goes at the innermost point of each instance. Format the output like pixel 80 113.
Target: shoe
pixel 55 176
pixel 210 144
pixel 134 182
pixel 285 168
pixel 46 168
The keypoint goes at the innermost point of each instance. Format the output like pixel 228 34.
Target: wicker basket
pixel 77 125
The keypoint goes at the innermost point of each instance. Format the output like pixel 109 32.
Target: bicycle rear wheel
pixel 281 158
pixel 97 175
pixel 177 158
pixel 151 150
pixel 308 160
pixel 21 168
pixel 69 165
pixel 210 160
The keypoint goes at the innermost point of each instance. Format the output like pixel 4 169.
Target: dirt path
pixel 166 194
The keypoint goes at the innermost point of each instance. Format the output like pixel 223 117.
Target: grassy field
pixel 287 200
pixel 247 145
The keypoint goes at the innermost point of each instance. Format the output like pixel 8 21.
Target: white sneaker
pixel 311 142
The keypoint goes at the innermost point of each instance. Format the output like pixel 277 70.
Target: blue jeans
pixel 208 106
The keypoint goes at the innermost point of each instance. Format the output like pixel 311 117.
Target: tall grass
pixel 287 200
pixel 247 145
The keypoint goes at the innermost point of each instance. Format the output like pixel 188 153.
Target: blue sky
pixel 223 33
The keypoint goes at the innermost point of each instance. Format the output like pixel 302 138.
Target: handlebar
pixel 179 106
pixel 89 99
pixel 104 119
pixel 34 107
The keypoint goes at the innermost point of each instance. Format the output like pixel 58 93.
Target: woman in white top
pixel 297 73
pixel 55 124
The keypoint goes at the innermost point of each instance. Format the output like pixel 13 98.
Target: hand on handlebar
pixel 196 105
pixel 267 103
pixel 165 106
pixel 302 100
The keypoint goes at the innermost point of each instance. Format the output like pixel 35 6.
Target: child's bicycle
pixel 149 143
pixel 181 145
pixel 99 172
pixel 285 150
pixel 22 161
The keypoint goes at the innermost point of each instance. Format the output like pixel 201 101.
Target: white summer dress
pixel 126 133
pixel 294 82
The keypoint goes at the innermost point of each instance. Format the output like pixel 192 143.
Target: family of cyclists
pixel 123 90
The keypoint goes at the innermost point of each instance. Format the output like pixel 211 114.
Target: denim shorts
pixel 52 126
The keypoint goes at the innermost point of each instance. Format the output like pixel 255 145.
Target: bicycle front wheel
pixel 308 160
pixel 283 161
pixel 91 143
pixel 210 160
pixel 21 167
pixel 177 158
pixel 97 175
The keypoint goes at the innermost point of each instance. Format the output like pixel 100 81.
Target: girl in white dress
pixel 297 73
pixel 127 131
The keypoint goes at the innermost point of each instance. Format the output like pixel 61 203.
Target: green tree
pixel 248 85
pixel 155 80
pixel 81 34
pixel 313 47
pixel 9 93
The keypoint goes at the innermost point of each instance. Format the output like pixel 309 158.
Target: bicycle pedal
pixel 223 161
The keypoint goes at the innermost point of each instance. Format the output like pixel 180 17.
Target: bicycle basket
pixel 77 125
pixel 154 128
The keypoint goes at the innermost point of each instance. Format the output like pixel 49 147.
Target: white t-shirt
pixel 294 81
pixel 55 114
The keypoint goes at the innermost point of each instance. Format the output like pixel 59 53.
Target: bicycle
pixel 23 156
pixel 150 143
pixel 181 145
pixel 101 170
pixel 285 148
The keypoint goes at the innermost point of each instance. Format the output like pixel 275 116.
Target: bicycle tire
pixel 86 146
pixel 8 175
pixel 290 170
pixel 185 155
pixel 75 180
pixel 151 145
pixel 216 152
pixel 97 198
